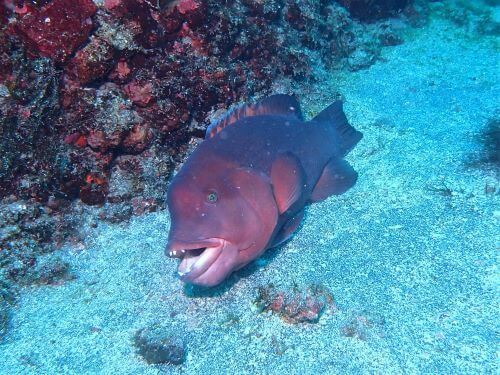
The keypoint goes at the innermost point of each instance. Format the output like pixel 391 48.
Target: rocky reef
pixel 100 99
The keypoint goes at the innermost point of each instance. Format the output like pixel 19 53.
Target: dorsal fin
pixel 279 104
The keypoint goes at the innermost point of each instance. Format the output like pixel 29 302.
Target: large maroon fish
pixel 244 189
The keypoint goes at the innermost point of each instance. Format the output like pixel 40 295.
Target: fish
pixel 244 188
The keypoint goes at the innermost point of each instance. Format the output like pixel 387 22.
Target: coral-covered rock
pixel 137 139
pixel 5 63
pixel 139 17
pixel 120 72
pixel 295 305
pixel 125 181
pixel 74 166
pixel 56 29
pixel 97 141
pixel 104 116
pixel 115 32
pixel 112 4
pixel 139 93
pixel 192 11
pixel 171 20
pixel 92 62
pixel 3 15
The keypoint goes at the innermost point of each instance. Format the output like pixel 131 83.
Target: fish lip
pixel 177 248
pixel 190 268
pixel 194 265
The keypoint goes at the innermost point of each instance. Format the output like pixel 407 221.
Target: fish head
pixel 222 217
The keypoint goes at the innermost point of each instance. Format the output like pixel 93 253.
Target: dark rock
pixel 28 105
pixel 29 233
pixel 5 45
pixel 361 59
pixel 490 139
pixel 156 346
pixel 95 190
pixel 488 156
pixel 140 180
pixel 387 36
pixel 141 205
pixel 4 318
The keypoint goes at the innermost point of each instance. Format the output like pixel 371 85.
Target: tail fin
pixel 335 116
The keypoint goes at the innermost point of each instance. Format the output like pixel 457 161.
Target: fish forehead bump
pixel 197 172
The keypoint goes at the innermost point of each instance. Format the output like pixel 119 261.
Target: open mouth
pixel 196 258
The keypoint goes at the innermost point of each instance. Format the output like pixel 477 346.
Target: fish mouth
pixel 196 257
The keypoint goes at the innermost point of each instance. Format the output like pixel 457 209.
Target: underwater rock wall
pixel 99 99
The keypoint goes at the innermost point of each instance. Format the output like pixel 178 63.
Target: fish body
pixel 244 189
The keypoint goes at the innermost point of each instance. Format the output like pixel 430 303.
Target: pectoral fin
pixel 288 228
pixel 338 176
pixel 288 179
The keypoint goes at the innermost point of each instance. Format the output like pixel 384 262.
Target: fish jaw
pixel 204 263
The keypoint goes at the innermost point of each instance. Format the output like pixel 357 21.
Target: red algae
pixel 186 6
pixel 140 94
pixel 57 29
pixel 295 305
pixel 111 4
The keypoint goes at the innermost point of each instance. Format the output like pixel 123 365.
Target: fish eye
pixel 212 197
